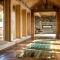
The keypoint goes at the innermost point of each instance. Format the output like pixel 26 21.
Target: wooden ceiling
pixel 33 3
pixel 1 8
pixel 54 2
pixel 45 14
pixel 1 5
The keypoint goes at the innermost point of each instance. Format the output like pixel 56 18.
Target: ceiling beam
pixel 23 5
pixel 1 2
pixel 44 10
pixel 44 1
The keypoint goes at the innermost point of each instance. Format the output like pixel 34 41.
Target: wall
pixel 45 21
pixel 13 23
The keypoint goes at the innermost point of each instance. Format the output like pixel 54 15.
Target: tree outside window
pixel 1 16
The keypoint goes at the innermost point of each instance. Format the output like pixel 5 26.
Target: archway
pixel 33 21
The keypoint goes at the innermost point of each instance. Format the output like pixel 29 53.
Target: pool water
pixel 32 50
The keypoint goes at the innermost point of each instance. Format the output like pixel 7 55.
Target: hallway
pixel 21 20
pixel 10 54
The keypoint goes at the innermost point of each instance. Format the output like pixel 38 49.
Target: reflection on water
pixel 37 45
pixel 35 53
pixel 32 50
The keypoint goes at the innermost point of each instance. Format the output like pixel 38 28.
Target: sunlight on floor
pixel 46 35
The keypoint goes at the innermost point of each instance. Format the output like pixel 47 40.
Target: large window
pixel 1 19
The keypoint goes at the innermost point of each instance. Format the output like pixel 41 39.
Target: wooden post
pixel 7 19
pixel 24 22
pixel 32 25
pixel 28 23
pixel 58 25
pixel 18 22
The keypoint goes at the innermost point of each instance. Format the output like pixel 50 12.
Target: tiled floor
pixel 11 53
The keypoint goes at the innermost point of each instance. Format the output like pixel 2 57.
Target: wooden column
pixel 24 22
pixel 28 23
pixel 58 25
pixel 18 22
pixel 7 19
pixel 32 25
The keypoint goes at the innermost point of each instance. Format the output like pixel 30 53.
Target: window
pixel 46 26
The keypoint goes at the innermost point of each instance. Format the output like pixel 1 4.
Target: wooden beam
pixel 24 5
pixel 15 3
pixel 7 19
pixel 24 23
pixel 32 25
pixel 58 25
pixel 18 22
pixel 44 1
pixel 44 10
pixel 1 2
pixel 29 23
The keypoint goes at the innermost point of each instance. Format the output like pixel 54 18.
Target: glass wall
pixel 1 19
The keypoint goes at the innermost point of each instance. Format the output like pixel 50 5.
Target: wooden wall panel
pixel 24 22
pixel 29 23
pixel 7 19
pixel 58 25
pixel 32 25
pixel 18 22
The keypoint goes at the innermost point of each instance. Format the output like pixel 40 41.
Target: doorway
pixel 45 24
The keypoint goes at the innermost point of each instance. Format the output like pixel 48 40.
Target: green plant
pixel 1 17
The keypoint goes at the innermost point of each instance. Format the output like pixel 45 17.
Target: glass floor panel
pixel 35 53
pixel 37 45
pixel 42 41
